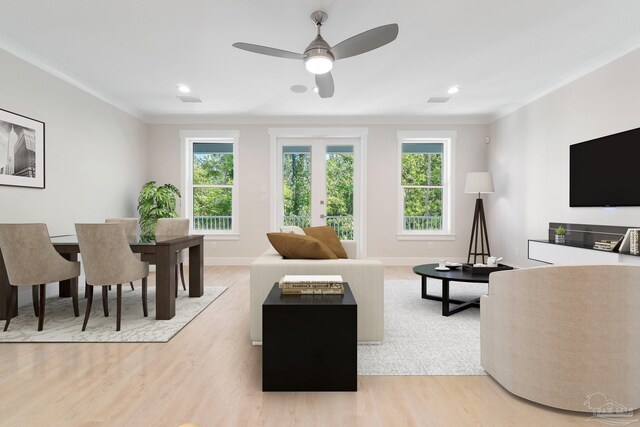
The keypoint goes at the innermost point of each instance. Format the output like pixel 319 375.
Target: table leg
pixel 65 286
pixel 165 282
pixel 5 292
pixel 196 269
pixel 445 297
pixel 424 286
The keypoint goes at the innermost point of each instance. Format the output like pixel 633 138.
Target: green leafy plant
pixel 560 231
pixel 155 202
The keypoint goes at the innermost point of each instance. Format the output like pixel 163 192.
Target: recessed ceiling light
pixel 298 89
pixel 454 89
pixel 315 89
pixel 184 88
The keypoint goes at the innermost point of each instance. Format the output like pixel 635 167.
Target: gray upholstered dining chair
pixel 108 260
pixel 130 229
pixel 175 227
pixel 31 260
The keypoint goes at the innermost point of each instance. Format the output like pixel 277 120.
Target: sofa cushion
pixel 294 246
pixel 292 229
pixel 329 237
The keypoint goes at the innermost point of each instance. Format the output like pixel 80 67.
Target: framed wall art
pixel 21 150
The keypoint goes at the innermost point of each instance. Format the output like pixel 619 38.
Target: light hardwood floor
pixel 209 374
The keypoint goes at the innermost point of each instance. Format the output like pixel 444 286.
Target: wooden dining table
pixel 161 251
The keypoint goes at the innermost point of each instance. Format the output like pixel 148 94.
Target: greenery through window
pixel 296 173
pixel 422 186
pixel 213 181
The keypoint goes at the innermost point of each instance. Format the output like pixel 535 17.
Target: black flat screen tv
pixel 605 171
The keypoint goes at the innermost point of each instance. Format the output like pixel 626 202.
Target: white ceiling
pixel 502 52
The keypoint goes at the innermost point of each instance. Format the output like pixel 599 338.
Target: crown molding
pixel 594 64
pixel 21 53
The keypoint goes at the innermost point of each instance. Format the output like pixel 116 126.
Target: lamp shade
pixel 478 182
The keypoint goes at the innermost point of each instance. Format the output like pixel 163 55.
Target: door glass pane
pixel 213 163
pixel 339 175
pixel 296 180
pixel 212 208
pixel 422 209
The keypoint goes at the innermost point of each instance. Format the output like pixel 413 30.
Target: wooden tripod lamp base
pixel 479 182
pixel 479 235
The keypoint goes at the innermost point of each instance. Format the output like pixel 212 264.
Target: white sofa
pixel 365 277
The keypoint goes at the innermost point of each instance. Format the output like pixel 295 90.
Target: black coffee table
pixel 457 275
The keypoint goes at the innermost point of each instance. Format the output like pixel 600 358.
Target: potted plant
pixel 560 235
pixel 156 202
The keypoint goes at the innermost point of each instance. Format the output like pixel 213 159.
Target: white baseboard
pixel 415 260
pixel 229 260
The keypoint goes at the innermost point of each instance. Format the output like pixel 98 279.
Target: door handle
pixel 323 216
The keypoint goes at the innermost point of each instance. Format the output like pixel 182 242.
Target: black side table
pixel 309 342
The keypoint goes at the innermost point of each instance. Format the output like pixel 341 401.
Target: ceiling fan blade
pixel 268 51
pixel 364 42
pixel 324 83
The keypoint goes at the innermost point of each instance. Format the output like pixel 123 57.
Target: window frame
pixel 188 139
pixel 447 139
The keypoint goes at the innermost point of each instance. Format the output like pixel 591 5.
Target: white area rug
pixel 418 339
pixel 61 326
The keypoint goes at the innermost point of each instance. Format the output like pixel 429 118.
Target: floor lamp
pixel 479 182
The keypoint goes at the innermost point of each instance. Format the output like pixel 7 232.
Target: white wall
pixel 95 153
pixel 381 196
pixel 529 156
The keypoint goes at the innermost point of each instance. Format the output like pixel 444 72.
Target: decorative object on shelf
pixel 154 203
pixel 479 182
pixel 607 245
pixel 21 150
pixel 561 235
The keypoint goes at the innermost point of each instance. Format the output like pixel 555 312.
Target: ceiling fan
pixel 319 56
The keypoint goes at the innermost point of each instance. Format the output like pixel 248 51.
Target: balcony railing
pixel 342 224
pixel 422 223
pixel 212 223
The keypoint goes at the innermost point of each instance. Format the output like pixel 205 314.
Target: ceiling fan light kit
pixel 319 56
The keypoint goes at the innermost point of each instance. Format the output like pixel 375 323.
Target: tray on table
pixel 469 268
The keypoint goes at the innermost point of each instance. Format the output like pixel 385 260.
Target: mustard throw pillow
pixel 329 237
pixel 295 246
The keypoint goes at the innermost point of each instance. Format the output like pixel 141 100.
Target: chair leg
pixel 89 291
pixel 43 296
pixel 119 309
pixel 144 297
pixel 34 297
pixel 74 298
pixel 11 301
pixel 184 287
pixel 176 279
pixel 132 288
pixel 105 301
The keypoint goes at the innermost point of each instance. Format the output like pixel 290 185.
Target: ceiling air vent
pixel 189 99
pixel 437 100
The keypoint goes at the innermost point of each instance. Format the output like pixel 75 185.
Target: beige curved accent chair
pixel 560 335
pixel 108 260
pixel 130 229
pixel 31 260
pixel 175 227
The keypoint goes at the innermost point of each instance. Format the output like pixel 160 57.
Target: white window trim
pixel 187 138
pixel 449 140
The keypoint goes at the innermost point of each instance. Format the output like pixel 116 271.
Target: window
pixel 211 183
pixel 425 185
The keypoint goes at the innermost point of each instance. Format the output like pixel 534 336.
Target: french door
pixel 317 183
